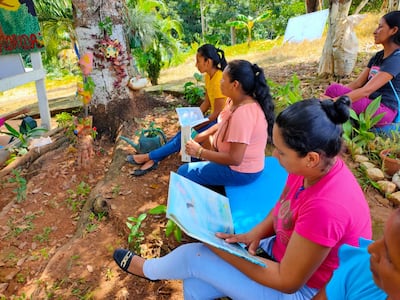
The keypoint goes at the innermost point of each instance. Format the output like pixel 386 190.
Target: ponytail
pixel 254 84
pixel 215 54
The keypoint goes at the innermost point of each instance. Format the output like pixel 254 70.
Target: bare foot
pixel 141 158
pixel 136 265
pixel 148 164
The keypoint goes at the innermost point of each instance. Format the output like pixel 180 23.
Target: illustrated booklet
pixel 201 212
pixel 189 117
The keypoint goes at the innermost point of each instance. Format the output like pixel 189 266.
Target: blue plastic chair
pixel 251 203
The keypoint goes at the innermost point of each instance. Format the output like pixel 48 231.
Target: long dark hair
pixel 215 54
pixel 393 20
pixel 253 82
pixel 314 125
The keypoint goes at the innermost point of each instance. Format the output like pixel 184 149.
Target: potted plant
pixel 390 160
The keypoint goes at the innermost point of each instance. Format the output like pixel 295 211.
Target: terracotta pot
pixel 390 165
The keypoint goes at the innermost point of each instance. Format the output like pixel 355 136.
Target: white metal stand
pixel 38 75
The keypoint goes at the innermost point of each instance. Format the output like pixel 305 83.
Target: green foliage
pixel 77 198
pixel 149 61
pixel 16 229
pixel 23 137
pixel 360 135
pixel 64 119
pixel 136 235
pixel 43 237
pixel 150 131
pixel 194 92
pixel 247 22
pixel 286 94
pixel 20 190
pixel 153 35
pixel 171 226
pixel 106 26
pixel 57 28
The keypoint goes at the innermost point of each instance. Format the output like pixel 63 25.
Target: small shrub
pixel 194 92
pixel 286 94
pixel 136 235
pixel 171 226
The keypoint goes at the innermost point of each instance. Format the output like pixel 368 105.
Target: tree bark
pixel 111 90
pixel 233 36
pixel 393 5
pixel 202 19
pixel 312 5
pixel 334 60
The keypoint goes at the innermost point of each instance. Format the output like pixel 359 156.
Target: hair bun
pixel 337 111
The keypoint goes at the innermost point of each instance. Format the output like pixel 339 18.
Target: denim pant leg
pixel 172 146
pixel 210 173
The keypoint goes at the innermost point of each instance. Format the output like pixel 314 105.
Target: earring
pixel 308 165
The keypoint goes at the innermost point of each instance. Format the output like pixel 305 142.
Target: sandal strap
pixel 126 260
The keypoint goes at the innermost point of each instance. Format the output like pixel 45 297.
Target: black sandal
pixel 123 259
pixel 140 172
pixel 130 159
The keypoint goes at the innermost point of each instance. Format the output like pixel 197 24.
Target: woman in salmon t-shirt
pixel 239 138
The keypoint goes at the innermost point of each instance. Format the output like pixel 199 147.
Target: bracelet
pixel 199 152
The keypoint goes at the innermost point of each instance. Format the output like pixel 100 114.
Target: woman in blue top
pixel 381 77
pixel 372 275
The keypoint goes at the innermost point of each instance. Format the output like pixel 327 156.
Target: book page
pixel 190 116
pixel 201 212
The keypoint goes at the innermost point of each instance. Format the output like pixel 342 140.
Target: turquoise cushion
pixel 251 203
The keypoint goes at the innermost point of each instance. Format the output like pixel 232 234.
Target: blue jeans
pixel 207 276
pixel 173 145
pixel 210 173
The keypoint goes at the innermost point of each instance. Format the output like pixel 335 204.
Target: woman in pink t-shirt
pixel 238 140
pixel 321 207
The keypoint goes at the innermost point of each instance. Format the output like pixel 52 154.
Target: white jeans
pixel 206 276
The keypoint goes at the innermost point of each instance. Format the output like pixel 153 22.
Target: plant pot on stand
pixel 390 161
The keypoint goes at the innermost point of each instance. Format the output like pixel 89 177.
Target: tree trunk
pixel 111 95
pixel 233 36
pixel 203 23
pixel 336 58
pixel 312 5
pixel 393 5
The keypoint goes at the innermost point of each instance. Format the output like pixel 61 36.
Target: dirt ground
pixel 45 253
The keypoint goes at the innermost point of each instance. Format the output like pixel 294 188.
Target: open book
pixel 188 118
pixel 201 212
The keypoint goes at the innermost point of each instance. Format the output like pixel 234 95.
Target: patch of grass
pixel 43 237
pixel 77 197
pixel 18 228
pixel 115 190
pixel 21 183
pixel 20 278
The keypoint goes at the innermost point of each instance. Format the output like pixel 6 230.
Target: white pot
pixel 137 83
